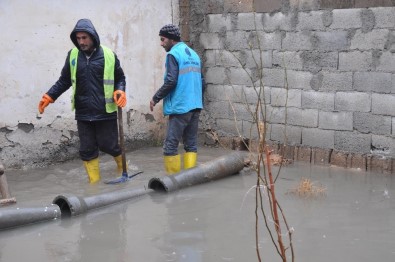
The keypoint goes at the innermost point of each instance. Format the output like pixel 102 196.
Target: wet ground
pixel 353 221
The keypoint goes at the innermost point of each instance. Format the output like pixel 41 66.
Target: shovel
pixel 125 177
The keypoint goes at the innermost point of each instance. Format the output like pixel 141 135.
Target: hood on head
pixel 85 25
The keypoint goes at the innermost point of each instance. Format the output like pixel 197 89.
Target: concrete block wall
pixel 328 76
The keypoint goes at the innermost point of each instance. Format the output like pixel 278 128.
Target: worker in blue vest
pixel 98 87
pixel 182 94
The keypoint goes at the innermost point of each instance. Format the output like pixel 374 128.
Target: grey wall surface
pixel 326 76
pixel 34 46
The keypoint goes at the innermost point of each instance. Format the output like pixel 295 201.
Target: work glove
pixel 45 100
pixel 120 98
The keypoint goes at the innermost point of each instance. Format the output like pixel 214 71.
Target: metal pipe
pixel 4 190
pixel 71 205
pixel 13 217
pixel 218 168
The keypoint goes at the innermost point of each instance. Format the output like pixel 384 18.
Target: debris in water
pixel 306 188
pixel 277 160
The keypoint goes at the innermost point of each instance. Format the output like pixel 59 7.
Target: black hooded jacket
pixel 89 95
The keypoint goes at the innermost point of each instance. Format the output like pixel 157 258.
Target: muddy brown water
pixel 354 221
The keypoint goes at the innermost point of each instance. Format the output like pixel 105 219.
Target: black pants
pixel 98 135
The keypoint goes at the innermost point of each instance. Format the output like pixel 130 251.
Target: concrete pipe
pixel 14 217
pixel 212 170
pixel 71 205
pixel 4 190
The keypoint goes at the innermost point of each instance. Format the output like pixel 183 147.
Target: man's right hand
pixel 45 100
pixel 151 105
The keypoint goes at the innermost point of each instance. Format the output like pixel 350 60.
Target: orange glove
pixel 45 100
pixel 120 98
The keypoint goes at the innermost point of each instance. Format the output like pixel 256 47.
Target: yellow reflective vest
pixel 108 78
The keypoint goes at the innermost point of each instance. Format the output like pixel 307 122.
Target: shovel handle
pixel 121 139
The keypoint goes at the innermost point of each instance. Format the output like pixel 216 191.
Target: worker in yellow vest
pixel 98 82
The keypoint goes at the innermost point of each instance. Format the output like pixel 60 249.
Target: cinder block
pixel 238 40
pixel 275 115
pixel 375 124
pixel 255 58
pixel 386 62
pixel 336 81
pixel 393 127
pixel 269 41
pixel 310 21
pixel 219 109
pixel 353 101
pixel 336 120
pixel 297 41
pixel 304 154
pixel 273 77
pixel 215 75
pixel 284 97
pixel 292 135
pixel 331 41
pixel 298 79
pixel 379 164
pixel 358 161
pixel 383 145
pixel 211 41
pixel 346 19
pixel 315 137
pixel 315 61
pixel 250 94
pixel 384 16
pixel 278 21
pixel 355 61
pixel 353 142
pixel 318 100
pixel 302 117
pixel 245 21
pixel 226 58
pixel 339 158
pixel 373 82
pixel 239 76
pixel 225 127
pixel 383 104
pixel 288 152
pixel 376 39
pixel 320 156
pixel 288 60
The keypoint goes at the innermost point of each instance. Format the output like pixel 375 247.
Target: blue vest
pixel 188 93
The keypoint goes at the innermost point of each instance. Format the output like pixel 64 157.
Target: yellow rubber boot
pixel 118 160
pixel 93 170
pixel 172 164
pixel 190 160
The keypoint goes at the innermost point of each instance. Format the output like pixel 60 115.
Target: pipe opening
pixel 156 185
pixel 65 210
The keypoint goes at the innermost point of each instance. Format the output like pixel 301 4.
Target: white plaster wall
pixel 35 39
pixel 35 42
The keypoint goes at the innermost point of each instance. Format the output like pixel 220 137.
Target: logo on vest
pixel 187 51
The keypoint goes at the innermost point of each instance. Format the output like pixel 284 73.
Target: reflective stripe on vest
pixel 108 77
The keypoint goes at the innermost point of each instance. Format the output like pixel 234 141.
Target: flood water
pixel 353 221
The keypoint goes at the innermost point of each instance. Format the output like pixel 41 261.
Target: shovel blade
pixel 122 179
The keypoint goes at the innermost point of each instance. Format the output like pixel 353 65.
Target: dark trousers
pixel 185 127
pixel 98 135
